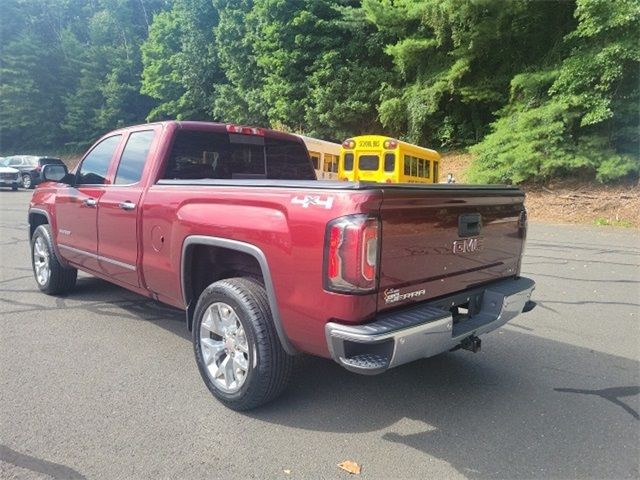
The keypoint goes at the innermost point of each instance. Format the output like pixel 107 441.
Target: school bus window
pixel 368 162
pixel 326 165
pixel 330 163
pixel 427 168
pixel 348 161
pixel 315 159
pixel 436 174
pixel 389 162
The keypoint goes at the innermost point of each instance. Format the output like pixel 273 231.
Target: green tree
pixel 579 116
pixel 238 97
pixel 70 70
pixel 455 59
pixel 108 65
pixel 348 78
pixel 180 65
pixel 302 65
pixel 33 76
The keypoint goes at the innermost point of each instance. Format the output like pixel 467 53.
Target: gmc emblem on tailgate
pixel 468 245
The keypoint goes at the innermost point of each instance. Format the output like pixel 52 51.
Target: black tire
pixel 27 182
pixel 270 367
pixel 61 279
pixel 14 187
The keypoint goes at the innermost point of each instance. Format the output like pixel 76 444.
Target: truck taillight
pixel 351 254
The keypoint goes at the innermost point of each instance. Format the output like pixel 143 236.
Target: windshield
pixel 368 162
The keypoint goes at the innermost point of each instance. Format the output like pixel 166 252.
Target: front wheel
pixel 236 345
pixel 26 181
pixel 51 276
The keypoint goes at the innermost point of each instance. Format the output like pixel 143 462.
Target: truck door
pixel 118 223
pixel 77 206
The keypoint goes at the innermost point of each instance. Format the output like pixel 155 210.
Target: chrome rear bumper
pixel 425 329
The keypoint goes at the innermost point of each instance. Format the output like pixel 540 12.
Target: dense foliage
pixel 536 89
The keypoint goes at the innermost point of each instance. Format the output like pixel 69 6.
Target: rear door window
pixel 134 157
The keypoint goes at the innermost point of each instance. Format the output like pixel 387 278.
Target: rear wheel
pixel 26 181
pixel 236 345
pixel 51 276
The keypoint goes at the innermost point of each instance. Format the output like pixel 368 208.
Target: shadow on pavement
pixel 37 465
pixel 504 413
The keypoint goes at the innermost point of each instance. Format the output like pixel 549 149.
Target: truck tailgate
pixel 438 240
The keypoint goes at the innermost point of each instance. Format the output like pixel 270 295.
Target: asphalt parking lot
pixel 102 384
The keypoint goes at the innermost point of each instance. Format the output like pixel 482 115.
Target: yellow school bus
pixel 376 158
pixel 324 156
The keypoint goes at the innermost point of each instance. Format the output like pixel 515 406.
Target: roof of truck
pixel 215 127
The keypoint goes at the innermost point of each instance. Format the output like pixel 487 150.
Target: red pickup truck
pixel 230 224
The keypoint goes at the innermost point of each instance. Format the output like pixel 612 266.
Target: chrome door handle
pixel 127 205
pixel 90 202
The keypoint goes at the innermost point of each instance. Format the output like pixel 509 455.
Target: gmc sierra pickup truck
pixel 230 224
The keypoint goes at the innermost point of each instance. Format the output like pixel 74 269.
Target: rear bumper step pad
pixel 423 330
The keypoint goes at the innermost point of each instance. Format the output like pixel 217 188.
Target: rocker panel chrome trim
pixel 100 258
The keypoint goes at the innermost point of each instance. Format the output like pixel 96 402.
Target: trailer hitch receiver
pixel 472 343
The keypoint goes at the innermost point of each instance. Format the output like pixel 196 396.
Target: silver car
pixel 9 177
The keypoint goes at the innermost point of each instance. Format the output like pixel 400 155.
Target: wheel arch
pixel 190 245
pixel 37 217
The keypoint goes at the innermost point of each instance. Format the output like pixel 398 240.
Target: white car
pixel 10 177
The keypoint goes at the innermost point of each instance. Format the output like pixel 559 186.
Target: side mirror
pixel 55 173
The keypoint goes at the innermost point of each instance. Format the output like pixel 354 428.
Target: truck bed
pixel 423 253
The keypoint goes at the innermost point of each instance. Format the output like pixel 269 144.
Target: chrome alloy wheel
pixel 225 351
pixel 41 261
